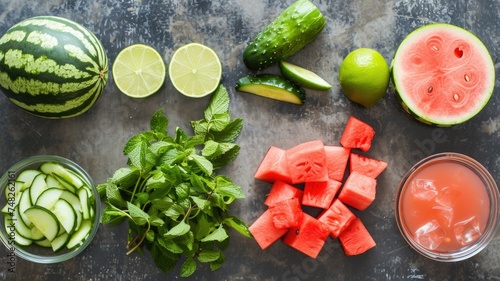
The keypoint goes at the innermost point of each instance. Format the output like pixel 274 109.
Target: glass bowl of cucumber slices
pixel 50 209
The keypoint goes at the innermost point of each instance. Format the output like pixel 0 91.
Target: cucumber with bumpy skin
pixel 291 31
pixel 272 86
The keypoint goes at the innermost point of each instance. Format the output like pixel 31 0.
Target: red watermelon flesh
pixel 357 134
pixel 337 218
pixel 307 162
pixel 358 191
pixel 368 166
pixel 336 161
pixel 320 194
pixel 280 191
pixel 443 74
pixel 309 237
pixel 287 213
pixel 356 239
pixel 264 231
pixel 273 166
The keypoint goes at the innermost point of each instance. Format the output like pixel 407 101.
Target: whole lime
pixel 364 76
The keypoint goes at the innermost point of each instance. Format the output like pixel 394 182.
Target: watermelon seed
pixel 466 77
pixel 435 48
pixel 456 97
pixel 430 89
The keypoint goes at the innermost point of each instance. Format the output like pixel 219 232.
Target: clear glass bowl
pixel 33 252
pixel 469 250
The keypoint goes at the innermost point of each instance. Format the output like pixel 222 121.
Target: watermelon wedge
pixel 307 162
pixel 358 191
pixel 264 231
pixel 337 218
pixel 336 161
pixel 309 237
pixel 367 166
pixel 280 191
pixel 442 74
pixel 320 194
pixel 357 134
pixel 356 239
pixel 287 213
pixel 273 166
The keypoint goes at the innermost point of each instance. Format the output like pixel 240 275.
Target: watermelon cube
pixel 306 162
pixel 320 194
pixel 280 191
pixel 264 231
pixel 308 237
pixel 273 166
pixel 337 218
pixel 356 239
pixel 357 134
pixel 366 165
pixel 358 191
pixel 336 161
pixel 287 213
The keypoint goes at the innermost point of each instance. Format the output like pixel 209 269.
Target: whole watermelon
pixel 52 67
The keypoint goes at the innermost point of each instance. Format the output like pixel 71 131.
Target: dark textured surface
pixel 95 139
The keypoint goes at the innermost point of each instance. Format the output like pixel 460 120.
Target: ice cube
pixel 447 196
pixel 444 215
pixel 430 235
pixel 467 231
pixel 424 189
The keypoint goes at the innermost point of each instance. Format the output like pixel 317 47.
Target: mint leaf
pixel 180 229
pixel 114 196
pixel 227 188
pixel 138 216
pixel 208 255
pixel 219 103
pixel 159 122
pixel 219 234
pixel 238 225
pixel 188 267
pixel 229 133
pixel 203 163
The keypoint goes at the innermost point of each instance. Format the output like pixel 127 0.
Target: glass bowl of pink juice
pixel 446 207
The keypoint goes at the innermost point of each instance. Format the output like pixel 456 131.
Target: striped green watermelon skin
pixel 52 67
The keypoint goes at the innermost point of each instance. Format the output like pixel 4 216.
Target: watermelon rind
pixel 476 99
pixel 52 67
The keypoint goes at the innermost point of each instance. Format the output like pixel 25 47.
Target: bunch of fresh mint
pixel 176 205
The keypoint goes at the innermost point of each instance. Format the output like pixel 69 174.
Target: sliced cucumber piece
pixel 43 243
pixel 53 182
pixel 18 238
pixel 38 186
pixel 84 202
pixel 20 226
pixel 49 197
pixel 65 214
pixel 36 234
pixel 272 86
pixel 27 176
pixel 72 199
pixel 80 235
pixel 12 195
pixel 44 220
pixel 25 204
pixel 61 173
pixel 60 241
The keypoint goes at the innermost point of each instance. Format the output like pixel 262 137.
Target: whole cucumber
pixel 291 31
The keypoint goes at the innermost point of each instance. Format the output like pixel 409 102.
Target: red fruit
pixel 273 166
pixel 358 191
pixel 287 213
pixel 309 237
pixel 336 161
pixel 368 166
pixel 307 162
pixel 337 218
pixel 320 194
pixel 356 239
pixel 281 191
pixel 357 134
pixel 264 231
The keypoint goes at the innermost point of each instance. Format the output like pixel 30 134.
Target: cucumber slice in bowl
pixel 44 220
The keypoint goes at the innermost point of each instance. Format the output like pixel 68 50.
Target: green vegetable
pixel 291 31
pixel 272 86
pixel 175 203
pixel 52 67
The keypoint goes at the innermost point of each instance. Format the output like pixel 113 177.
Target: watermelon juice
pixel 446 207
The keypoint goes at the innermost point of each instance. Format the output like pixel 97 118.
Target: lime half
pixel 139 71
pixel 195 70
pixel 303 77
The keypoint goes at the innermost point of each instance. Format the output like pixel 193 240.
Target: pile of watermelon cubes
pixel 312 174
